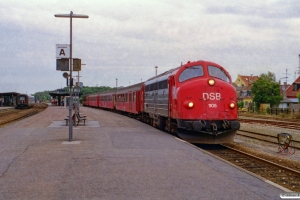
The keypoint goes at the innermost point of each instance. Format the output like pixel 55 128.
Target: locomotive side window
pixel 191 72
pixel 163 84
pixel 157 86
pixel 218 73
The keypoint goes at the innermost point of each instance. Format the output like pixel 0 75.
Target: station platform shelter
pixel 60 97
pixel 8 98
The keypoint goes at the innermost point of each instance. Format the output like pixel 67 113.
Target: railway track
pixel 286 176
pixel 266 138
pixel 10 115
pixel 276 123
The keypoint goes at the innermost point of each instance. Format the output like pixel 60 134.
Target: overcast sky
pixel 126 39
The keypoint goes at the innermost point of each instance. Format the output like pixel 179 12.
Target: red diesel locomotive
pixel 197 101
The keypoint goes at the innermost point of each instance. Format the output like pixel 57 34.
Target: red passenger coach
pixel 108 99
pixel 128 99
pixel 93 100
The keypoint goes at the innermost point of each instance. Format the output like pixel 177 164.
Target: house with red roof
pixel 243 88
pixel 289 93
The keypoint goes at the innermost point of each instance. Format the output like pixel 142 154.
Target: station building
pixel 8 98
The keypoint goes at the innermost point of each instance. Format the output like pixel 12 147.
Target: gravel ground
pixel 267 151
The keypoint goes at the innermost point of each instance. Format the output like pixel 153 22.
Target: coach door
pixel 114 101
pixel 130 101
pixel 136 100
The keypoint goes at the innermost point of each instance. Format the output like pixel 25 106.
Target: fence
pixel 276 111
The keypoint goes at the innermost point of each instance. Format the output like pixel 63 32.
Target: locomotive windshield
pixel 191 72
pixel 218 73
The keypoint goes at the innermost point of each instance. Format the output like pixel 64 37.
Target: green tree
pixel 298 96
pixel 266 90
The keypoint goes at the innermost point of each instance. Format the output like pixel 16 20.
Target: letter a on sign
pixel 62 51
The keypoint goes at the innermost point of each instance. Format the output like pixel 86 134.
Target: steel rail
pixel 264 140
pixel 281 175
pixel 264 160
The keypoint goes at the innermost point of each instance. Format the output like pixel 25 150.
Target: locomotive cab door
pixel 171 84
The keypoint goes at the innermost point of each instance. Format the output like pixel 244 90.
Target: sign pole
pixel 71 65
pixel 71 83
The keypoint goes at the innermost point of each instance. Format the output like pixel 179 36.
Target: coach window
pixel 218 73
pixel 191 72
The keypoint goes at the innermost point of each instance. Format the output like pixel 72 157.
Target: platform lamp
pixel 78 89
pixel 71 16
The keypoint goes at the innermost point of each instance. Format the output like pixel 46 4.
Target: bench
pixel 80 118
pixel 67 120
pixel 75 116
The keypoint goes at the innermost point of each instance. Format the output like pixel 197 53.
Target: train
pixel 195 101
pixel 24 101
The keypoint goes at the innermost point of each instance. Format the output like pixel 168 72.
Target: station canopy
pixel 9 94
pixel 62 93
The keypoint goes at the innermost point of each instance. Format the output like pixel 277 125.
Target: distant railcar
pixel 24 101
pixel 84 100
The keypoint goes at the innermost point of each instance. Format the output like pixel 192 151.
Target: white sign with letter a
pixel 62 51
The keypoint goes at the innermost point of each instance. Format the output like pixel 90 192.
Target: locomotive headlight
pixel 188 104
pixel 211 82
pixel 232 105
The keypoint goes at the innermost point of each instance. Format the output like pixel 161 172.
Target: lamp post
pixel 71 16
pixel 78 90
pixel 156 70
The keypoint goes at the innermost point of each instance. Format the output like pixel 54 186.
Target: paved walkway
pixel 113 157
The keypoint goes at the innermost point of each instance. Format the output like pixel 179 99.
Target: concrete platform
pixel 113 157
pixel 6 107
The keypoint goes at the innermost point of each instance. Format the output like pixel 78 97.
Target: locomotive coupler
pixel 214 128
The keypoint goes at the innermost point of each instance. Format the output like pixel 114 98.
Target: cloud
pixel 126 39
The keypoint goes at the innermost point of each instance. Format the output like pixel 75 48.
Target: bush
pixel 240 104
pixel 268 110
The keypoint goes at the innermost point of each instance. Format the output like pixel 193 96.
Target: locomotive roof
pixel 188 64
pixel 165 73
